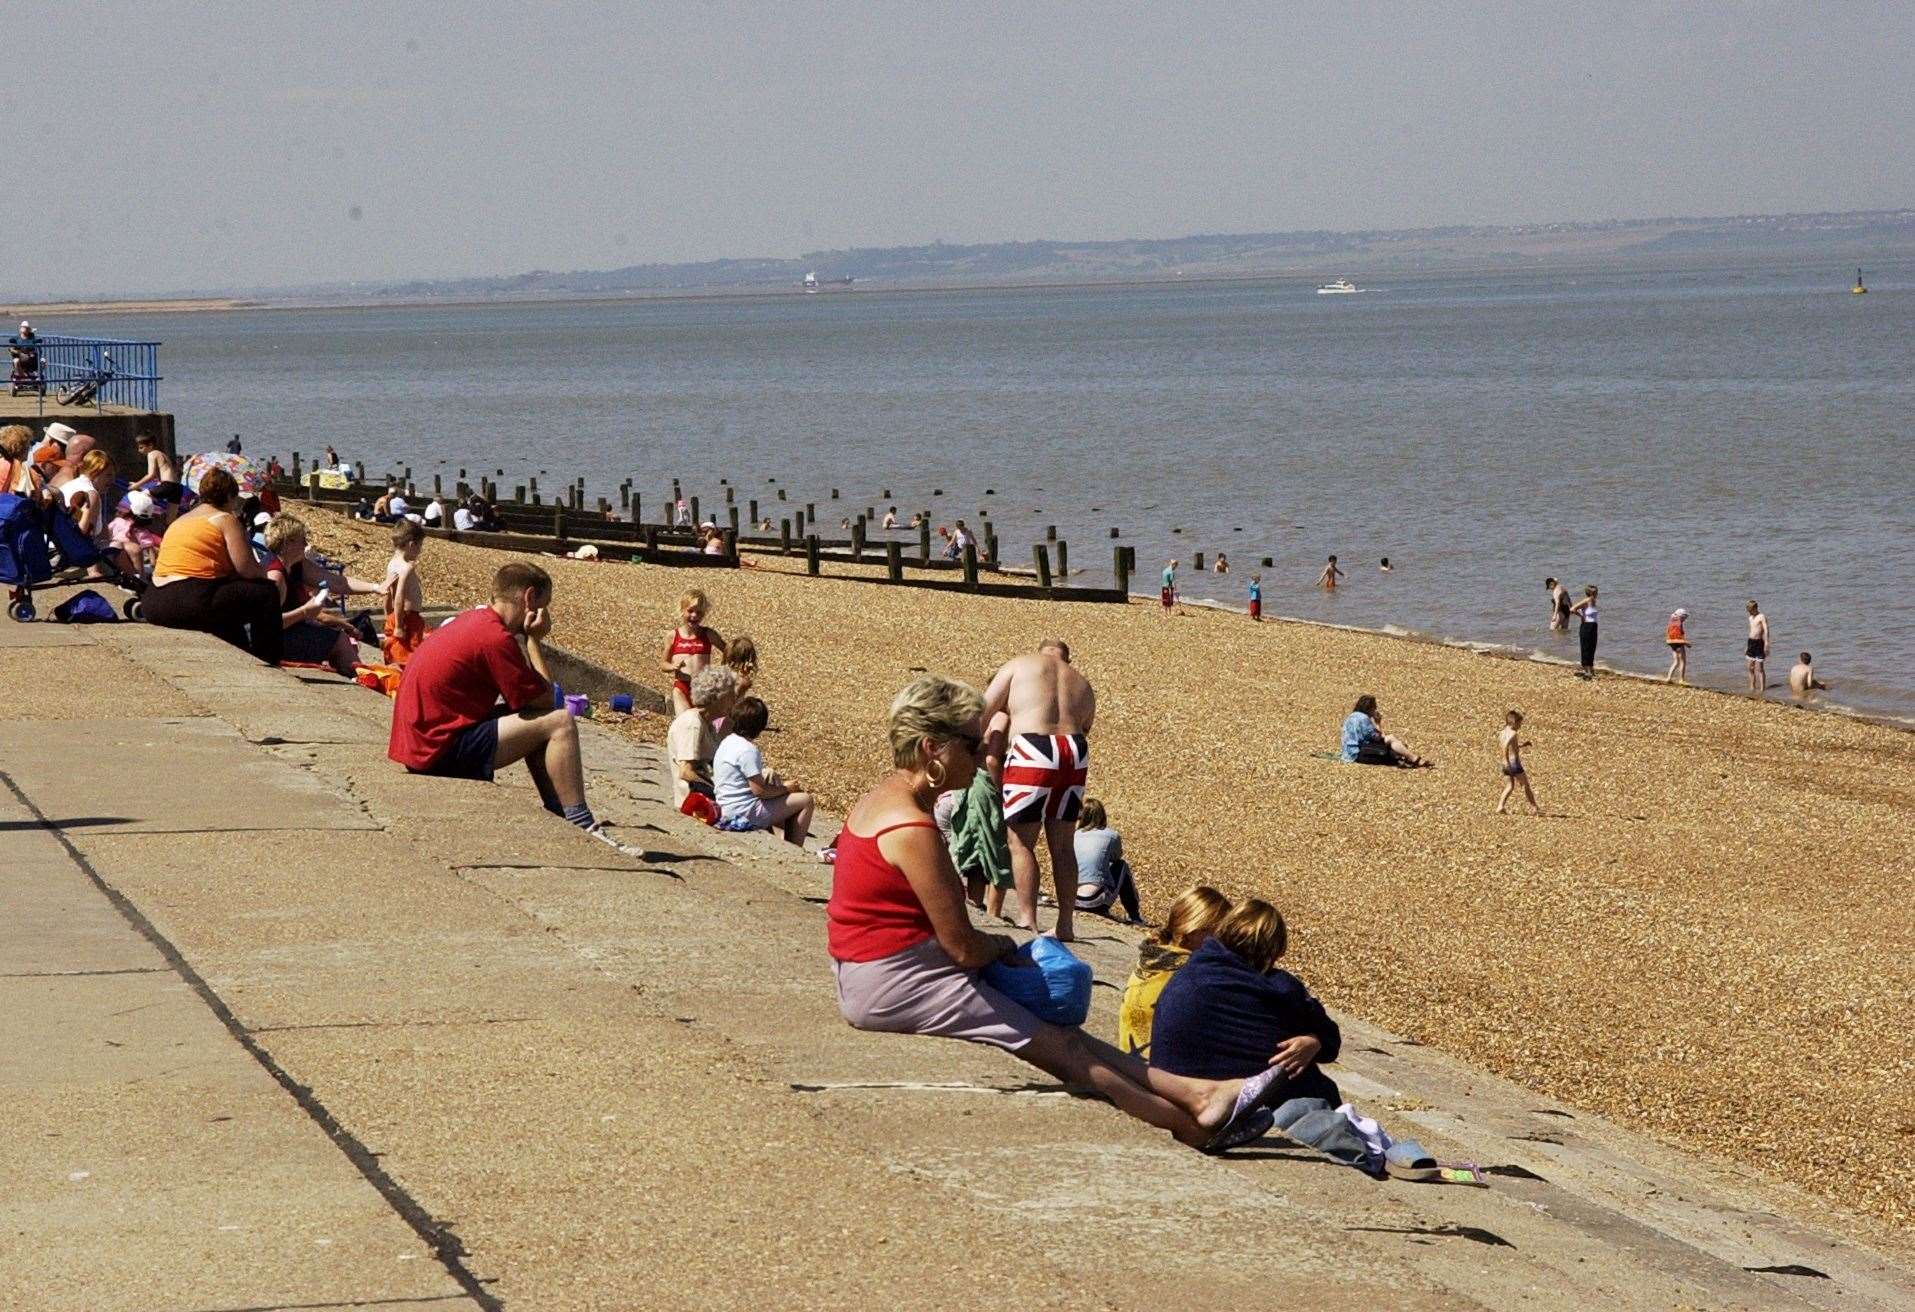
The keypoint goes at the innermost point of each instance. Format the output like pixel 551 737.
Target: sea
pixel 1690 434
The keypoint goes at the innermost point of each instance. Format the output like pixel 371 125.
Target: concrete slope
pixel 545 1076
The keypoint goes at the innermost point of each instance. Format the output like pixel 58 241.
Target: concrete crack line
pixel 386 1024
pixel 435 1234
pixel 85 974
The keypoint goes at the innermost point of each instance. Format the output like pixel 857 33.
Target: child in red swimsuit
pixel 691 648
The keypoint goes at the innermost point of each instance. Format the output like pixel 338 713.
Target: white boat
pixel 1341 287
pixel 811 283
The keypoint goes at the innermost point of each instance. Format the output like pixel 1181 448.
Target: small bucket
pixel 578 704
pixel 622 702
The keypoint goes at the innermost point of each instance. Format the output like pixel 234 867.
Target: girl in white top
pixel 85 501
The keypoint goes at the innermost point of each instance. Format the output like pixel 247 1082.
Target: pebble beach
pixel 1707 937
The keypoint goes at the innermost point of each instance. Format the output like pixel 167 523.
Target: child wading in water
pixel 405 596
pixel 1513 771
pixel 1678 647
pixel 1328 579
pixel 691 647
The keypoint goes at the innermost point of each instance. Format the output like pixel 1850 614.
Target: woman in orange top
pixel 206 577
pixel 1679 647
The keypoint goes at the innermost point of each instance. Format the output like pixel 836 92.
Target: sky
pixel 210 146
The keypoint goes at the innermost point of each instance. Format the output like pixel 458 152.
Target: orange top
pixel 1675 631
pixel 194 548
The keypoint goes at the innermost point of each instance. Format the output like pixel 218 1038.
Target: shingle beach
pixel 1708 937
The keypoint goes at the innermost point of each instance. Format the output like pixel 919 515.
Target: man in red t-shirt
pixel 470 701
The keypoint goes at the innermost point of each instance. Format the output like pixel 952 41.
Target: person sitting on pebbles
pixel 1365 743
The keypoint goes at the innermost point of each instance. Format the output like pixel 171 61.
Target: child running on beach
pixel 691 647
pixel 1328 579
pixel 1513 771
pixel 1256 598
pixel 405 596
pixel 1678 647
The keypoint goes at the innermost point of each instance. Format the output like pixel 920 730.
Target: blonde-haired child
pixel 690 648
pixel 1193 917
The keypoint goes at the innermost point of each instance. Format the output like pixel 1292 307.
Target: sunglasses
pixel 972 743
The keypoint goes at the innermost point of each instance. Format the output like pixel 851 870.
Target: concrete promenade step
pixel 288 1027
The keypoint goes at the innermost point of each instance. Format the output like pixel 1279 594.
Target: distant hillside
pixel 1860 235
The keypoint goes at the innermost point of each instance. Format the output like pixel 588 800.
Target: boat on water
pixel 1341 287
pixel 1858 289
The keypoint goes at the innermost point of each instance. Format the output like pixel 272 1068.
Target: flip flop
pixel 1406 1159
pixel 1248 1110
pixel 1240 1130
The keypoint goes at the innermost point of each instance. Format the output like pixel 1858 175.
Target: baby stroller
pixel 41 547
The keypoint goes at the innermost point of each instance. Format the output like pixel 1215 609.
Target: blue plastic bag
pixel 87 607
pixel 1055 987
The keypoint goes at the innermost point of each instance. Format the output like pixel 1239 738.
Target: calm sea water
pixel 1691 437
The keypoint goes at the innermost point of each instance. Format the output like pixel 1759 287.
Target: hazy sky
pixel 200 145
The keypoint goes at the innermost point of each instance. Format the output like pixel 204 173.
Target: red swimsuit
pixel 697 645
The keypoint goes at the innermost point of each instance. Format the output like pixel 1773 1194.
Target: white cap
pixel 24 325
pixel 1681 614
pixel 140 502
pixel 262 519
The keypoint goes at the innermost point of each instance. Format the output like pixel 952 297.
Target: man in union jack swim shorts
pixel 1051 707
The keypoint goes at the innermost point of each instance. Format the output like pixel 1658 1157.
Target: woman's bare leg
pixel 1190 1109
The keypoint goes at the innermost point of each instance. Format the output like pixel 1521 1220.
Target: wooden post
pixel 811 554
pixel 731 513
pixel 731 496
pixel 781 494
pixel 312 486
pixel 731 538
pixel 924 540
pixel 533 484
pixel 894 562
pixel 857 539
pixel 990 550
pixel 558 522
pixel 638 511
pixel 811 513
pixel 1268 562
pixel 625 495
pixel 651 540
pixel 695 519
pixel 435 485
pixel 753 515
pixel 1115 534
pixel 1050 532
pixel 1120 567
pixel 970 566
pixel 784 537
pixel 296 476
pixel 535 496
pixel 1197 561
pixel 1064 564
pixel 1042 559
pixel 604 508
pixel 834 494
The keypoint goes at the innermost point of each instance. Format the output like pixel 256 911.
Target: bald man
pixel 1051 707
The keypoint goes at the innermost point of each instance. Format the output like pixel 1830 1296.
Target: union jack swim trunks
pixel 1044 777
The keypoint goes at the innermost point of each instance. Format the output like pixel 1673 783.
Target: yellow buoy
pixel 1858 289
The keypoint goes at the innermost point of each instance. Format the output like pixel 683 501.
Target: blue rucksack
pixel 87 607
pixel 23 548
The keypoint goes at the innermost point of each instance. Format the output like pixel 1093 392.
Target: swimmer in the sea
pixel 1328 579
pixel 1802 680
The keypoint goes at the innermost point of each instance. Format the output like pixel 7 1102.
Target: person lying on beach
pixel 1051 707
pixel 1103 876
pixel 973 824
pixel 1757 651
pixel 1190 921
pixel 905 955
pixel 1328 579
pixel 692 739
pixel 1511 745
pixel 472 702
pixel 1558 604
pixel 690 647
pixel 1229 1013
pixel 1364 742
pixel 749 794
pixel 1802 680
pixel 1678 639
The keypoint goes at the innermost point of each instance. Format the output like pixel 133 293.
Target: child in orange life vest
pixel 405 595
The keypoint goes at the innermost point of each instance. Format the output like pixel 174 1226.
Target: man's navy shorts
pixel 470 755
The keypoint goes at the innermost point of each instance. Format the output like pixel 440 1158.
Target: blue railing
pixel 127 372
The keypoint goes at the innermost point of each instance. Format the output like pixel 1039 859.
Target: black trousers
pixel 1587 635
pixel 244 612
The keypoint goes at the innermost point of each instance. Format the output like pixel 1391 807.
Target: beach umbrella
pixel 250 477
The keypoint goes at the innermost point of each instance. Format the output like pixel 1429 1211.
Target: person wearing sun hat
pixel 1678 639
pixel 51 449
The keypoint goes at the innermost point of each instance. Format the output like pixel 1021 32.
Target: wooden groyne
pixel 529 523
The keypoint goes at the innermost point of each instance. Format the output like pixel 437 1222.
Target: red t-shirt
pixel 453 681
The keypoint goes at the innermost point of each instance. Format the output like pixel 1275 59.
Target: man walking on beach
pixel 1051 707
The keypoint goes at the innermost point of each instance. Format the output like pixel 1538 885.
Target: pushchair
pixel 41 547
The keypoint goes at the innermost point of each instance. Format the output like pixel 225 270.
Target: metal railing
pixel 126 373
